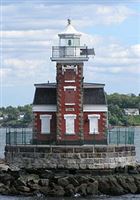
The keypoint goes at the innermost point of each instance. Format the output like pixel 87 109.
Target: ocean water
pixel 124 197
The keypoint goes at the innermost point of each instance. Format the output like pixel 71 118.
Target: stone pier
pixel 70 157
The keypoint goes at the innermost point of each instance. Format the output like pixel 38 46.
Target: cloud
pixel 46 16
pixel 30 29
pixel 26 71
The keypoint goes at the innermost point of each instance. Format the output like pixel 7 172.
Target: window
pixel 70 95
pixel 69 75
pixel 69 42
pixel 70 123
pixel 45 123
pixel 93 123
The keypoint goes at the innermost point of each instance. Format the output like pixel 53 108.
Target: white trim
pixel 95 108
pixel 44 108
pixel 93 121
pixel 69 115
pixel 45 123
pixel 69 87
pixel 70 81
pixel 86 108
pixel 93 115
pixel 70 123
pixel 70 104
pixel 45 116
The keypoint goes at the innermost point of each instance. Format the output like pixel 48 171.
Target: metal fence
pixel 20 136
pixel 121 136
pixel 115 136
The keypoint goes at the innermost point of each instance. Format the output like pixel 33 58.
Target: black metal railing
pixel 122 135
pixel 117 136
pixel 19 136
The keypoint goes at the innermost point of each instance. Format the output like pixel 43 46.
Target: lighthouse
pixel 70 119
pixel 70 112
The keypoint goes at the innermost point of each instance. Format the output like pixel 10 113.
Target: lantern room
pixel 69 46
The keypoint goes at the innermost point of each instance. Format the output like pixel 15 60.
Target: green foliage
pixel 116 105
pixel 20 116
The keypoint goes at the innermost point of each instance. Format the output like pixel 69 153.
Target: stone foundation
pixel 70 157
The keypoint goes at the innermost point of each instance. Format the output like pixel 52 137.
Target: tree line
pixel 117 103
pixel 21 116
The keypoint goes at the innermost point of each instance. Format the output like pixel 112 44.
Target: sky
pixel 29 29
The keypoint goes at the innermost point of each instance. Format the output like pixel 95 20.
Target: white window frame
pixel 69 88
pixel 45 123
pixel 92 118
pixel 70 124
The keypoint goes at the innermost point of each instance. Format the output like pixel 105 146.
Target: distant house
pixel 1 118
pixel 21 116
pixel 131 111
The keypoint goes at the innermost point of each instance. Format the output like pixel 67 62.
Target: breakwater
pixel 29 182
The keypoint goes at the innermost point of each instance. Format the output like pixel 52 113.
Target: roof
pixel 70 30
pixel 45 94
pixel 53 85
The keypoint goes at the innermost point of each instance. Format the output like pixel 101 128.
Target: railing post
pixel 125 136
pixel 117 136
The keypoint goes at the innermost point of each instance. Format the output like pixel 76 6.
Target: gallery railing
pixel 117 136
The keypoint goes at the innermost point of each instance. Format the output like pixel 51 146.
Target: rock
pixel 23 189
pixel 4 167
pixel 5 177
pixel 44 190
pixel 109 185
pixel 43 182
pixel 20 182
pixel 82 179
pixel 69 190
pixel 63 182
pixel 13 190
pixel 115 187
pixel 14 168
pixel 46 174
pixel 128 183
pixel 2 188
pixel 132 169
pixel 104 186
pixel 137 182
pixel 32 185
pixel 73 181
pixel 92 188
pixel 57 191
pixel 82 189
pixel 29 177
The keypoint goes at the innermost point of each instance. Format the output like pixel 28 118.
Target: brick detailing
pixel 62 108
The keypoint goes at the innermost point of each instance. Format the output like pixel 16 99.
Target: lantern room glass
pixel 69 42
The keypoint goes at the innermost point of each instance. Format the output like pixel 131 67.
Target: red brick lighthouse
pixel 70 111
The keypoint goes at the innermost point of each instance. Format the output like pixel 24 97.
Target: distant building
pixel 1 118
pixel 131 111
pixel 70 111
pixel 21 116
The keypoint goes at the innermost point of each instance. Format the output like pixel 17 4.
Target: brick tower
pixel 70 57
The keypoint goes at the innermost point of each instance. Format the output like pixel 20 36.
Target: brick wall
pixel 63 109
